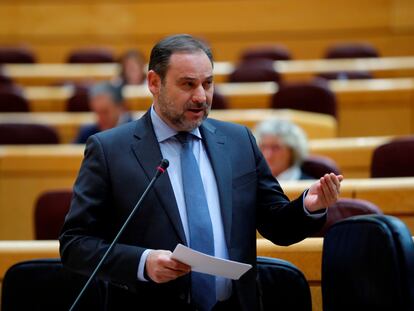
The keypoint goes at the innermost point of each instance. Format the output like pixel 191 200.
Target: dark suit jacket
pixel 90 129
pixel 118 166
pixel 86 131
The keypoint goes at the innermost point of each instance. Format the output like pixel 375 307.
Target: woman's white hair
pixel 291 134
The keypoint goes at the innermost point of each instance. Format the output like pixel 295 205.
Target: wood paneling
pixel 305 27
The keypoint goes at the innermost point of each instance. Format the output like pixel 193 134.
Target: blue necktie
pixel 203 286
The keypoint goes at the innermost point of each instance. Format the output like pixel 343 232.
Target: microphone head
pixel 164 164
pixel 162 167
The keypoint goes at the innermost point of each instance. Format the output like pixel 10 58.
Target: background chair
pixel 282 286
pixel 4 79
pixel 219 101
pixel 16 55
pixel 317 166
pixel 394 159
pixel 367 264
pixel 24 133
pixel 12 99
pixel 49 214
pixel 272 52
pixel 345 208
pixel 79 101
pixel 349 50
pixel 91 55
pixel 44 284
pixel 255 70
pixel 313 96
pixel 346 75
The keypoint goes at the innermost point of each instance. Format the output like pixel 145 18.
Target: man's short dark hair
pixel 162 51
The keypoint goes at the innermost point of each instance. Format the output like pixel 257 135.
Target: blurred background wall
pixel 305 27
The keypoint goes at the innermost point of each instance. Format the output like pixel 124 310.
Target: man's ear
pixel 154 82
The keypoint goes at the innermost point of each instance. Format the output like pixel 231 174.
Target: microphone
pixel 161 168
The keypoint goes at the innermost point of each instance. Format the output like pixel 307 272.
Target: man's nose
pixel 199 95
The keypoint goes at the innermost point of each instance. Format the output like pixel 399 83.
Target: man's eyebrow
pixel 209 78
pixel 187 79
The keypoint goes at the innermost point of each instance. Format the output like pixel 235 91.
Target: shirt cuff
pixel 315 215
pixel 141 266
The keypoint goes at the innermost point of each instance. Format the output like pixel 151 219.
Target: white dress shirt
pixel 171 149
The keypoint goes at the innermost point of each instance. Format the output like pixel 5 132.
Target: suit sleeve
pixel 88 230
pixel 280 220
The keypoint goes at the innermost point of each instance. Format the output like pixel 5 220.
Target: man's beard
pixel 178 119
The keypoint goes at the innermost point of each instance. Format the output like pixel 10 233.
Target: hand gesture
pixel 323 193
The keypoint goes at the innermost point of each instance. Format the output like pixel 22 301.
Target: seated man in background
pixel 284 146
pixel 107 102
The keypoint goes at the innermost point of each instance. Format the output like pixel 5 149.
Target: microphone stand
pixel 160 170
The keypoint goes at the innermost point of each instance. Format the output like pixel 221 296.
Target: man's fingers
pixel 337 180
pixel 177 266
pixel 330 189
pixel 162 268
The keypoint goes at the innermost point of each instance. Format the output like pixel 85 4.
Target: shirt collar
pixel 163 131
pixel 292 173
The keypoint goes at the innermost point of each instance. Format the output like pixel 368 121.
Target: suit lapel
pixel 216 149
pixel 148 154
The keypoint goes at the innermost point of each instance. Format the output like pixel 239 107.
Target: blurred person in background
pixel 133 71
pixel 108 105
pixel 284 146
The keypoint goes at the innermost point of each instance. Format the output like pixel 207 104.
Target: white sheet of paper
pixel 200 262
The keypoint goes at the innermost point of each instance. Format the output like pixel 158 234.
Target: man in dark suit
pixel 239 189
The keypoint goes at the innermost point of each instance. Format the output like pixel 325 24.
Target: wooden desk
pixel 48 74
pixel 353 155
pixel 67 124
pixel 392 195
pixel 382 67
pixel 12 252
pixel 375 107
pixel 306 255
pixel 26 172
pixel 239 96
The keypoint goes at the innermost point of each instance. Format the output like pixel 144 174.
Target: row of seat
pixel 305 69
pixel 366 265
pixel 313 96
pixel 391 159
pixel 24 55
pixel 364 108
pixel 52 206
pixel 44 284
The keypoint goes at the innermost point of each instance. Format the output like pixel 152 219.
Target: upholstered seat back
pixel 368 264
pixel 394 159
pixel 313 96
pixel 45 285
pixel 282 286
